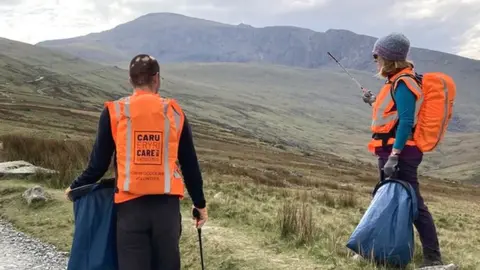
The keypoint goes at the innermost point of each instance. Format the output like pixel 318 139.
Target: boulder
pixel 21 168
pixel 35 195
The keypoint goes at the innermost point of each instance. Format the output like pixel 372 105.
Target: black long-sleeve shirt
pixel 104 148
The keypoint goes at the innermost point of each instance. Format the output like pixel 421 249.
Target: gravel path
pixel 21 252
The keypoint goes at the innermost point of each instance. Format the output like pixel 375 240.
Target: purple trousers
pixel 409 160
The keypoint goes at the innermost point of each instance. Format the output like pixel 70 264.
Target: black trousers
pixel 148 233
pixel 425 225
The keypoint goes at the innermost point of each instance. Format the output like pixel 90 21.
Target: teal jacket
pixel 405 103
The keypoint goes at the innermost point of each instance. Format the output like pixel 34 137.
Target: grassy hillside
pixel 271 205
pixel 307 109
pixel 314 109
pixel 268 208
pixel 32 74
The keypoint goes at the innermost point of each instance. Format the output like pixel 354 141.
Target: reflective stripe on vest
pixel 445 109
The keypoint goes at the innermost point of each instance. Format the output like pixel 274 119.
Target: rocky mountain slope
pixel 177 38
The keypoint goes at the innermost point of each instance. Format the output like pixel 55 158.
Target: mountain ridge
pixel 177 38
pixel 180 18
pixel 246 25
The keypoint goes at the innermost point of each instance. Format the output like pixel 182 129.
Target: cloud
pixel 446 25
pixel 470 47
pixel 33 21
pixel 418 10
pixel 6 3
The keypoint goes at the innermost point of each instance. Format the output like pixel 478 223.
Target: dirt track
pixel 20 252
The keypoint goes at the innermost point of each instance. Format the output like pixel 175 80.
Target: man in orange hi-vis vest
pixel 151 139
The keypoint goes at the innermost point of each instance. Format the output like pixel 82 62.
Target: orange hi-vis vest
pixel 146 129
pixel 435 94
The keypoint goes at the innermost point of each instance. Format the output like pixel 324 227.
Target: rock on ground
pixel 20 168
pixel 35 194
pixel 21 252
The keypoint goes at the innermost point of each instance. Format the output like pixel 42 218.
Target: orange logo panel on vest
pixel 148 147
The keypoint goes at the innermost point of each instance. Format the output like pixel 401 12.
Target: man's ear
pixel 156 81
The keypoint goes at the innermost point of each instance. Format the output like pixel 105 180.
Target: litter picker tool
pixel 355 80
pixel 196 215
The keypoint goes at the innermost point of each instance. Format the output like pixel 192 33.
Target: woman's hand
pixel 391 166
pixel 368 97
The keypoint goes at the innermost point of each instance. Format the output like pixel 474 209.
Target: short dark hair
pixel 142 69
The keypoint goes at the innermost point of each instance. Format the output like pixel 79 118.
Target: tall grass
pixel 296 221
pixel 69 158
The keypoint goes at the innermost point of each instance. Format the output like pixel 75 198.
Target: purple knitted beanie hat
pixel 393 47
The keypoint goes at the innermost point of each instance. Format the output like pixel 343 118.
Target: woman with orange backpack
pixel 400 135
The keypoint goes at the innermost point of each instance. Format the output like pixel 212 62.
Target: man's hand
pixel 368 97
pixel 391 165
pixel 67 192
pixel 200 216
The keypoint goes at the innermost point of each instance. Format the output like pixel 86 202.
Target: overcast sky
pixel 446 25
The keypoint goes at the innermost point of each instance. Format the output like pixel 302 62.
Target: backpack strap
pixel 417 77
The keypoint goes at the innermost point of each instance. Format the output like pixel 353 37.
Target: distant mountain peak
pixel 244 25
pixel 174 18
pixel 166 14
pixel 333 30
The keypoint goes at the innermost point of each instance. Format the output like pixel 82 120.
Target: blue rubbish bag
pixel 385 232
pixel 94 239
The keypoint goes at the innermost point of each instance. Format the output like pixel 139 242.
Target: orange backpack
pixel 439 92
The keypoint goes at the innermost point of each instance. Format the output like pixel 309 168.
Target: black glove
pixel 391 166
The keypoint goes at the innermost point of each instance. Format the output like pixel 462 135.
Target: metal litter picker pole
pixel 196 215
pixel 355 80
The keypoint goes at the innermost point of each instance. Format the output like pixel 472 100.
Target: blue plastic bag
pixel 94 239
pixel 385 232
